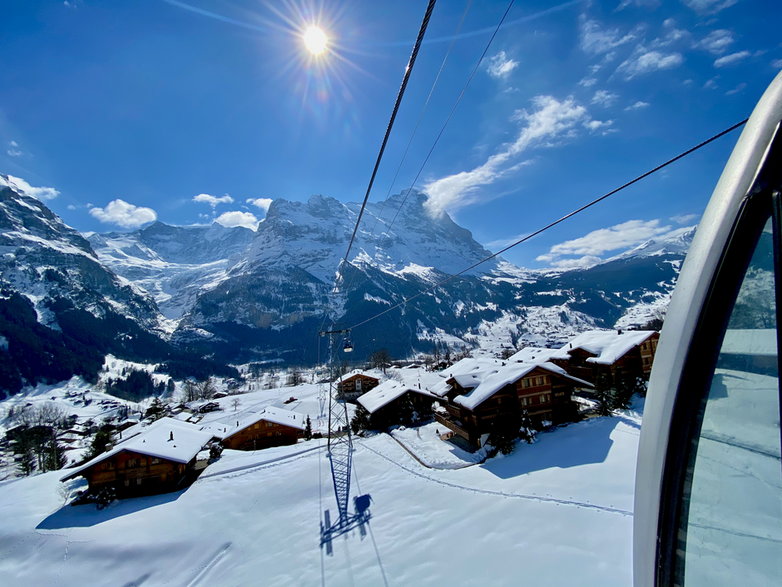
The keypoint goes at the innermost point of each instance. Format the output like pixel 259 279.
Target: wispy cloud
pixel 732 58
pixel 549 120
pixel 500 66
pixel 637 105
pixel 739 88
pixel 716 42
pixel 639 4
pixel 236 218
pixel 709 6
pixel 14 150
pixel 596 40
pixel 643 61
pixel 123 214
pixel 604 98
pixel 213 200
pixel 262 203
pixel 590 248
pixel 40 193
pixel 682 219
pixel 588 82
pixel 777 64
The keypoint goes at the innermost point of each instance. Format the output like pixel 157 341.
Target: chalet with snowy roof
pixel 614 353
pixel 159 459
pixel 475 398
pixel 255 429
pixel 393 403
pixel 354 384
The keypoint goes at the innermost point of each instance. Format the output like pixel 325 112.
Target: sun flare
pixel 315 40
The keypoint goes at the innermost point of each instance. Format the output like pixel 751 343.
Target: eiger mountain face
pixel 236 295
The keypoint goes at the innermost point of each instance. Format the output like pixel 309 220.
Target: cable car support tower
pixel 340 454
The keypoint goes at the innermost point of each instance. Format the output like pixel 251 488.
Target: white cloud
pixel 236 218
pixel 731 59
pixel 711 84
pixel 682 219
pixel 587 82
pixel 213 200
pixel 597 40
pixel 596 243
pixel 262 203
pixel 14 150
pixel 639 4
pixel 716 42
pixel 709 6
pixel 500 66
pixel 123 214
pixel 604 98
pixel 551 119
pixel 777 64
pixel 595 125
pixel 637 105
pixel 643 61
pixel 40 193
pixel 737 89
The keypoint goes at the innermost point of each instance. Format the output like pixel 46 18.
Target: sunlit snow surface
pixel 557 512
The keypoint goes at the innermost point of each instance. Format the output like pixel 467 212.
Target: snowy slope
pixel 554 513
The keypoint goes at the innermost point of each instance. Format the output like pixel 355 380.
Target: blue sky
pixel 194 110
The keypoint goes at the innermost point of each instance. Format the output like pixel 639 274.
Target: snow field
pixel 557 512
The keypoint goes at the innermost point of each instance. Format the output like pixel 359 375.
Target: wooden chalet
pixel 612 353
pixel 353 385
pixel 159 459
pixel 393 403
pixel 254 430
pixel 476 397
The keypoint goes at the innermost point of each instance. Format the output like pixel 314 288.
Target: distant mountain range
pixel 163 293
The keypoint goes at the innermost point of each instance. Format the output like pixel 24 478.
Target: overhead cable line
pixel 555 222
pixel 400 94
pixel 453 110
pixel 423 111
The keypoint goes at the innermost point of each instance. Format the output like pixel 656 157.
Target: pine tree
pixel 361 420
pixel 308 429
pixel 604 394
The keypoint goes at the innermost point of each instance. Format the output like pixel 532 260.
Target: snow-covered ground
pixel 557 512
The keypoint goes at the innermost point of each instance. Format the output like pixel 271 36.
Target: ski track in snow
pixel 209 565
pixel 526 496
pixel 244 469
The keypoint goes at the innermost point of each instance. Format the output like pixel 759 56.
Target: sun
pixel 315 40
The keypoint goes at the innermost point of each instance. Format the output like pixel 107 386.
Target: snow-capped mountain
pixel 264 295
pixel 234 294
pixel 61 309
pixel 172 263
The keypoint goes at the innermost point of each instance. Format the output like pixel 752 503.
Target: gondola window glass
pixel 732 522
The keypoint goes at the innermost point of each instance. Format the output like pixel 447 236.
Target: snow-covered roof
pixel 229 425
pixel 507 375
pixel 385 393
pixel 533 354
pixel 608 346
pixel 155 441
pixel 756 342
pixel 353 373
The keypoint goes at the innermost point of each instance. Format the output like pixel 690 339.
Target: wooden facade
pixel 636 362
pixel 262 434
pixel 401 409
pixel 352 387
pixel 133 474
pixel 545 396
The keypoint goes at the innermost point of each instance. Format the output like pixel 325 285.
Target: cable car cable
pixel 453 110
pixel 400 94
pixel 556 222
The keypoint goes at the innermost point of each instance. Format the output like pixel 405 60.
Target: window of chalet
pixel 107 465
pixel 155 461
pixel 131 463
pixel 358 384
